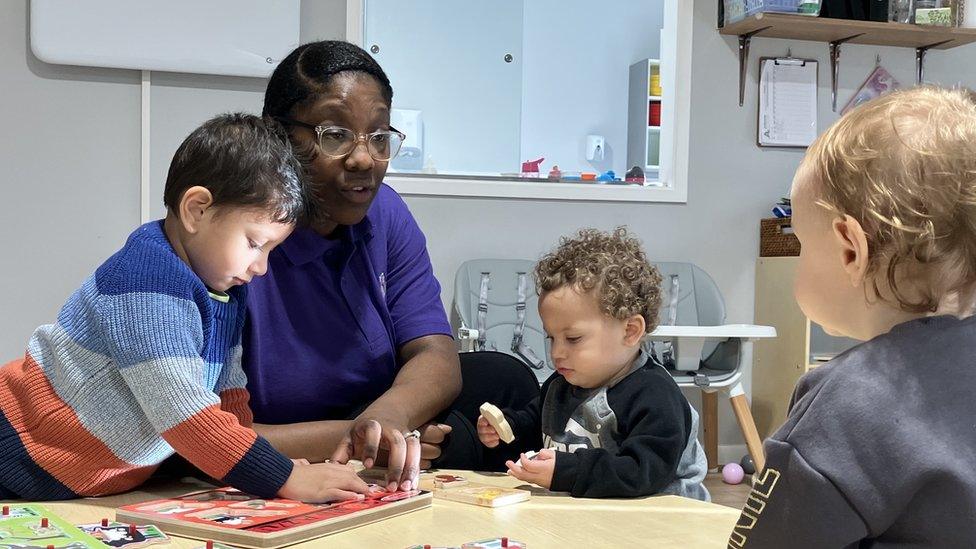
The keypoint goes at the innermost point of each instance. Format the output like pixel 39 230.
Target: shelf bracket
pixel 744 41
pixel 920 59
pixel 835 67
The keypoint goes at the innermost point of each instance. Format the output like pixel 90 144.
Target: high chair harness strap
pixel 519 346
pixel 483 311
pixel 667 351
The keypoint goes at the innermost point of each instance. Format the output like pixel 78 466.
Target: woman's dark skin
pixel 429 380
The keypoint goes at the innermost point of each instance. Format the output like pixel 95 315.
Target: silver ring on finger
pixel 412 434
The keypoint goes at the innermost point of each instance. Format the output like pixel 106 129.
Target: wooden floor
pixel 726 494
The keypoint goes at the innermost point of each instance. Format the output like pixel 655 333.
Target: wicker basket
pixel 776 238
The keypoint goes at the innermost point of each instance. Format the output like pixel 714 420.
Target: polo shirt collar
pixel 305 245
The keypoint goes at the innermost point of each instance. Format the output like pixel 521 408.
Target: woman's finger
pixel 429 452
pixel 434 433
pixel 411 468
pixel 344 451
pixel 371 432
pixel 397 459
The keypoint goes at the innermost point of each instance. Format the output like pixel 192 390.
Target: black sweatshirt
pixel 636 438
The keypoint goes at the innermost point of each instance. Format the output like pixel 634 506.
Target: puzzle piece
pixel 484 495
pixel 497 420
pixel 130 536
pixel 249 521
pixel 494 543
pixel 31 526
pixel 449 481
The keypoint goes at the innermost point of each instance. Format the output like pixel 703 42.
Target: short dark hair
pixel 307 72
pixel 243 160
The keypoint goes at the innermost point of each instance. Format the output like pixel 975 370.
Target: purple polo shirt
pixel 325 322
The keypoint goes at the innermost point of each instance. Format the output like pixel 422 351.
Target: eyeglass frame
pixel 360 137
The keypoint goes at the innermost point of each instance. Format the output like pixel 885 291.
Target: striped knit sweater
pixel 142 362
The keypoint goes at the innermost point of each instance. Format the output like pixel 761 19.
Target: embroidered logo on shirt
pixel 754 507
pixel 383 284
pixel 575 437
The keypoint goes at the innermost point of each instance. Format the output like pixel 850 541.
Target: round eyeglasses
pixel 338 142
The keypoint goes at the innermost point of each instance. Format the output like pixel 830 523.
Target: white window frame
pixel 676 77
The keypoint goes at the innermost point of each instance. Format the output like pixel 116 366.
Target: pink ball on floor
pixel 732 473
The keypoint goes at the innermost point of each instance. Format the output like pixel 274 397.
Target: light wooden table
pixel 547 520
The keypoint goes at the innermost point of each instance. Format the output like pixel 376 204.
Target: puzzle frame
pixel 265 523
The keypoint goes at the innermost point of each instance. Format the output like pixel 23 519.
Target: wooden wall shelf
pixel 821 29
pixel 841 31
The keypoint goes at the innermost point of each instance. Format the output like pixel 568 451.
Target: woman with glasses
pixel 347 347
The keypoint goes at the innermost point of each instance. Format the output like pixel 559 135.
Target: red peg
pixel 6 510
pixel 210 544
pixel 43 522
pixel 504 542
pixel 50 546
pixel 104 523
pixel 133 530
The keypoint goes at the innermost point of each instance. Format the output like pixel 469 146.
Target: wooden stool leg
pixel 740 405
pixel 710 427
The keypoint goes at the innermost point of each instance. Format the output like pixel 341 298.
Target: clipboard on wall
pixel 787 102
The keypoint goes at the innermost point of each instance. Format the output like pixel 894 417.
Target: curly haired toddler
pixel 611 422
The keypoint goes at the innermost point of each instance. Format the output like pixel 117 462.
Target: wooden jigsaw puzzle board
pixel 242 520
pixel 21 529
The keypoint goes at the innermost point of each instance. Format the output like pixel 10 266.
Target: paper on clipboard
pixel 787 102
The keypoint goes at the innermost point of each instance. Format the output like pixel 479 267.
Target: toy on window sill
pixel 530 168
pixel 634 175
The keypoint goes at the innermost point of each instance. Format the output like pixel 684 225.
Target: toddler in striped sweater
pixel 144 359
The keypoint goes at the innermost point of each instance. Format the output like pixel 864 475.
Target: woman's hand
pixel 405 455
pixel 432 435
pixel 368 435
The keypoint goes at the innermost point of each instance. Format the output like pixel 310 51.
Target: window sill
pixel 541 189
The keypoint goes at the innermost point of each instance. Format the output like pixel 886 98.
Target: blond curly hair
pixel 613 265
pixel 904 167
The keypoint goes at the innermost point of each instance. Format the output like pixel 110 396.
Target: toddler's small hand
pixel 487 434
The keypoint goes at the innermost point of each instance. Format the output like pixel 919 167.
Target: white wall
pixel 69 148
pixel 575 77
pixel 69 180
